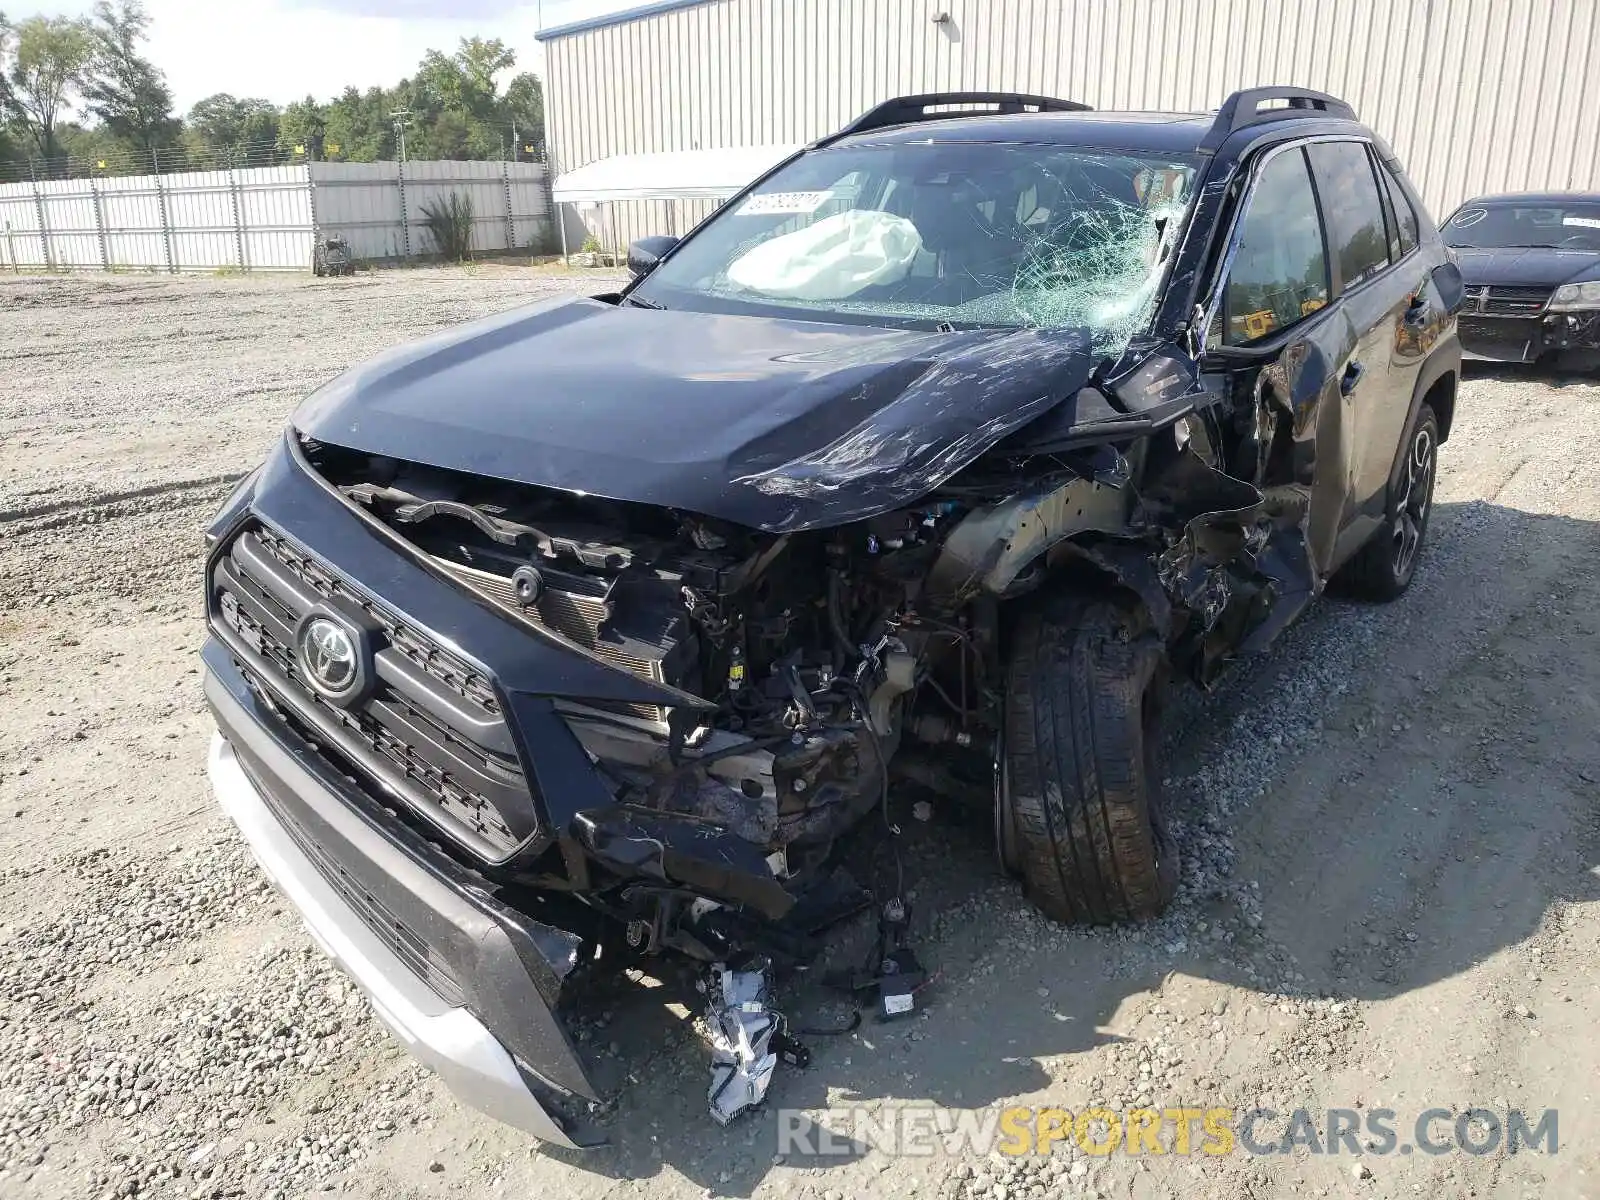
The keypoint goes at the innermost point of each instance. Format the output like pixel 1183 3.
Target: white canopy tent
pixel 671 175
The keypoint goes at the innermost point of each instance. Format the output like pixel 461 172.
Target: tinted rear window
pixel 1404 215
pixel 1351 208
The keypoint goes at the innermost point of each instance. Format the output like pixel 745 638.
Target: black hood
pixel 1527 266
pixel 776 424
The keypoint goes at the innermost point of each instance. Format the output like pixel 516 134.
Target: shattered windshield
pixel 964 234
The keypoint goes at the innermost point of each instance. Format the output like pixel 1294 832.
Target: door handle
pixel 1352 376
pixel 1417 311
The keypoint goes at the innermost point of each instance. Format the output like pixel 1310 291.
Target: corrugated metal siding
pixel 1474 95
pixel 361 201
pixel 262 218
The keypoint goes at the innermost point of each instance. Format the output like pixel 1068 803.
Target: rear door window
pixel 1280 270
pixel 1404 215
pixel 1352 208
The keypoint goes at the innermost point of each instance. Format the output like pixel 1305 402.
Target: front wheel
pixel 1384 567
pixel 1078 805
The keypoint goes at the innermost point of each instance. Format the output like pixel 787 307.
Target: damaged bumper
pixel 468 985
pixel 1527 339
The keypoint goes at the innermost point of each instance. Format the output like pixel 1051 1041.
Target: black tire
pixel 1078 807
pixel 1383 569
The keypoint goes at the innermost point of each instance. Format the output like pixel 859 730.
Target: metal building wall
pixel 1474 95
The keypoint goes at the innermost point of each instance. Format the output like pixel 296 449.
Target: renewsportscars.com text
pixel 921 1129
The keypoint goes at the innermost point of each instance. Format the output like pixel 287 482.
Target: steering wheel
pixel 1576 241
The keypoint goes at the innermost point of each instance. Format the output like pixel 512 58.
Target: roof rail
pixel 907 110
pixel 1243 109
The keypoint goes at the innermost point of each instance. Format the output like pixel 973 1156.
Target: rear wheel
pixel 1078 806
pixel 1384 567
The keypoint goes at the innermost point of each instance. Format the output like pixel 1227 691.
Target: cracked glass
pixel 944 235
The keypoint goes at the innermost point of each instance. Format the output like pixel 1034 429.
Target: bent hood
pixel 1527 267
pixel 776 424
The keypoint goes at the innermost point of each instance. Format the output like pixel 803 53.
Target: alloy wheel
pixel 1411 507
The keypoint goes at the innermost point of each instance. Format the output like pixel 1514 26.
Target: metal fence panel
pixel 70 216
pixel 131 206
pixel 361 201
pixel 274 212
pixel 379 208
pixel 19 227
pixel 262 218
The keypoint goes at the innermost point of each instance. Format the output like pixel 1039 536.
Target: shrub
pixel 449 220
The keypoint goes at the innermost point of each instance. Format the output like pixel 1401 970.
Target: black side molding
pixel 1243 109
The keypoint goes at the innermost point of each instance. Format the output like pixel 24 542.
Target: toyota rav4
pixel 936 453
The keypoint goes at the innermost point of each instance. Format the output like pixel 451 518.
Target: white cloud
pixel 283 50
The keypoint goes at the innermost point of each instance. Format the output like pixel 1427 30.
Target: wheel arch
pixel 1436 387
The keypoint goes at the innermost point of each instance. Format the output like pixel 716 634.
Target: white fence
pixel 262 218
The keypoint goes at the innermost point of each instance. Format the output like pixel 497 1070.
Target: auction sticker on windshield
pixel 783 202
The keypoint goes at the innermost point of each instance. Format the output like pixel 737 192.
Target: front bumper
pixel 460 981
pixel 1527 339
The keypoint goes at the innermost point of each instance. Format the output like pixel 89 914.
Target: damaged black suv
pixel 936 453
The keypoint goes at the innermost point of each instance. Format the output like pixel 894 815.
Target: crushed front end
pixel 477 731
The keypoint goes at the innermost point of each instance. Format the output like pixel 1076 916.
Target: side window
pixel 1280 271
pixel 1405 216
pixel 1349 195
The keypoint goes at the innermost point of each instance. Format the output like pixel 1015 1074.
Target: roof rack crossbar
pixel 1243 109
pixel 907 110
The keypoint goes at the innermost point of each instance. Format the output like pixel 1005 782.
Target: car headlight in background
pixel 1575 295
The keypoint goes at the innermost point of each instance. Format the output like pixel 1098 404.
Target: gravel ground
pixel 1388 899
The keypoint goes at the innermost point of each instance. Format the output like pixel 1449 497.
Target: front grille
pixel 409 946
pixel 429 730
pixel 1509 301
pixel 444 667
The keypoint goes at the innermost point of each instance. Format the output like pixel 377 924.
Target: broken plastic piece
pixel 743 1053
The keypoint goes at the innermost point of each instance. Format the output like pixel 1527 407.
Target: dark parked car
pixel 604 623
pixel 1531 266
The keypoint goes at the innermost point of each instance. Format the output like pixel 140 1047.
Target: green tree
pixel 459 110
pixel 8 41
pixel 524 109
pixel 49 59
pixel 123 88
pixel 357 127
pixel 224 123
pixel 8 149
pixel 303 129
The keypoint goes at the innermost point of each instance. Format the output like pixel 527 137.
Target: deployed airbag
pixel 831 258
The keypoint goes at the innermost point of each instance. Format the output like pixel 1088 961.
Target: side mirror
pixel 644 254
pixel 1451 287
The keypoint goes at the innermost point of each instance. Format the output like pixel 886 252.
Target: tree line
pixel 79 96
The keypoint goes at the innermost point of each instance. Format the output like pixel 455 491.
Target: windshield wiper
pixel 638 302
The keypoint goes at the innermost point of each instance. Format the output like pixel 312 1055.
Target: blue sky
pixel 282 50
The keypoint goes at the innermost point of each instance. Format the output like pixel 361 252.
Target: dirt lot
pixel 1389 902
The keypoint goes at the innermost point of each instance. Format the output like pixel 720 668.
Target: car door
pixel 1377 290
pixel 1287 348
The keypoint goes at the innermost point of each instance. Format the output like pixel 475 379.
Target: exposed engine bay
pixel 805 659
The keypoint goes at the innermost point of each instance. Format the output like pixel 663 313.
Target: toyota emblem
pixel 331 656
